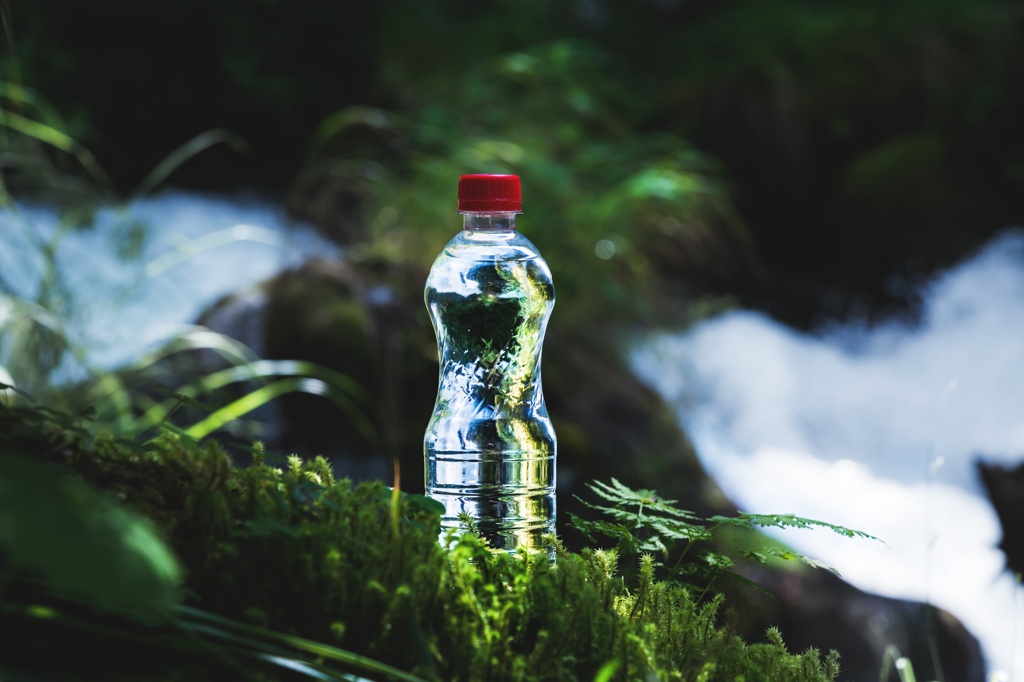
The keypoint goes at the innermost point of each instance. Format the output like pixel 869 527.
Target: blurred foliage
pixel 104 555
pixel 280 557
pixel 797 154
pixel 134 83
pixel 856 140
pixel 625 218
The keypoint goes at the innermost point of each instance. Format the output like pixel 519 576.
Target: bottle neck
pixel 492 221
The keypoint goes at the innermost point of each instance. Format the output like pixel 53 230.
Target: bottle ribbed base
pixel 507 518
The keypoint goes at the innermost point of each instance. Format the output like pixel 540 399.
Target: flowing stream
pixel 876 429
pixel 143 273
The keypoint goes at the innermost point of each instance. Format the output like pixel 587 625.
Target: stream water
pixel 876 429
pixel 141 274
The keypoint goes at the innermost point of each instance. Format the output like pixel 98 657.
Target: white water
pixel 197 249
pixel 875 429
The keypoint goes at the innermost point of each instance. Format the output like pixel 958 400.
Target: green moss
pixel 283 546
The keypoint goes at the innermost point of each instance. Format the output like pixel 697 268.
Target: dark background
pixel 862 144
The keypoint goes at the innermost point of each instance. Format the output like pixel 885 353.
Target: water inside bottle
pixel 490 447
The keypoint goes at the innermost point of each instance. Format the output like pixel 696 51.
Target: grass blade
pixel 247 403
pixel 340 389
pixel 208 242
pixel 176 158
pixel 233 630
pixel 49 135
pixel 263 395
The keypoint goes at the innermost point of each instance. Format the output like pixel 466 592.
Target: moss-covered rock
pixel 291 550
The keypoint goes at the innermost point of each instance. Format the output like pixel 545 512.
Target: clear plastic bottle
pixel 489 446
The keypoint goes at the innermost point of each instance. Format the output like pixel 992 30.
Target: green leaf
pixel 763 554
pixel 717 561
pixel 176 158
pixel 80 542
pixel 58 139
pixel 268 643
pixel 424 503
pixel 607 671
pixel 744 519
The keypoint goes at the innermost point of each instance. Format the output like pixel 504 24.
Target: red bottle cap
pixel 486 192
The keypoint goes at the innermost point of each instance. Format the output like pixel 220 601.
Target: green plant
pixel 42 321
pixel 41 159
pixel 894 659
pixel 625 216
pixel 42 351
pixel 644 526
pixel 280 556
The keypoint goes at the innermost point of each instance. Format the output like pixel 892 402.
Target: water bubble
pixel 604 249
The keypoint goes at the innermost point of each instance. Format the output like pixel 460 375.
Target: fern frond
pixel 744 519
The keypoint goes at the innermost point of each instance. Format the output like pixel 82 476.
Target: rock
pixel 1005 487
pixel 329 203
pixel 815 608
pixel 353 319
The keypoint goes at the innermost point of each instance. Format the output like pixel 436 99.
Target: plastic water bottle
pixel 489 446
